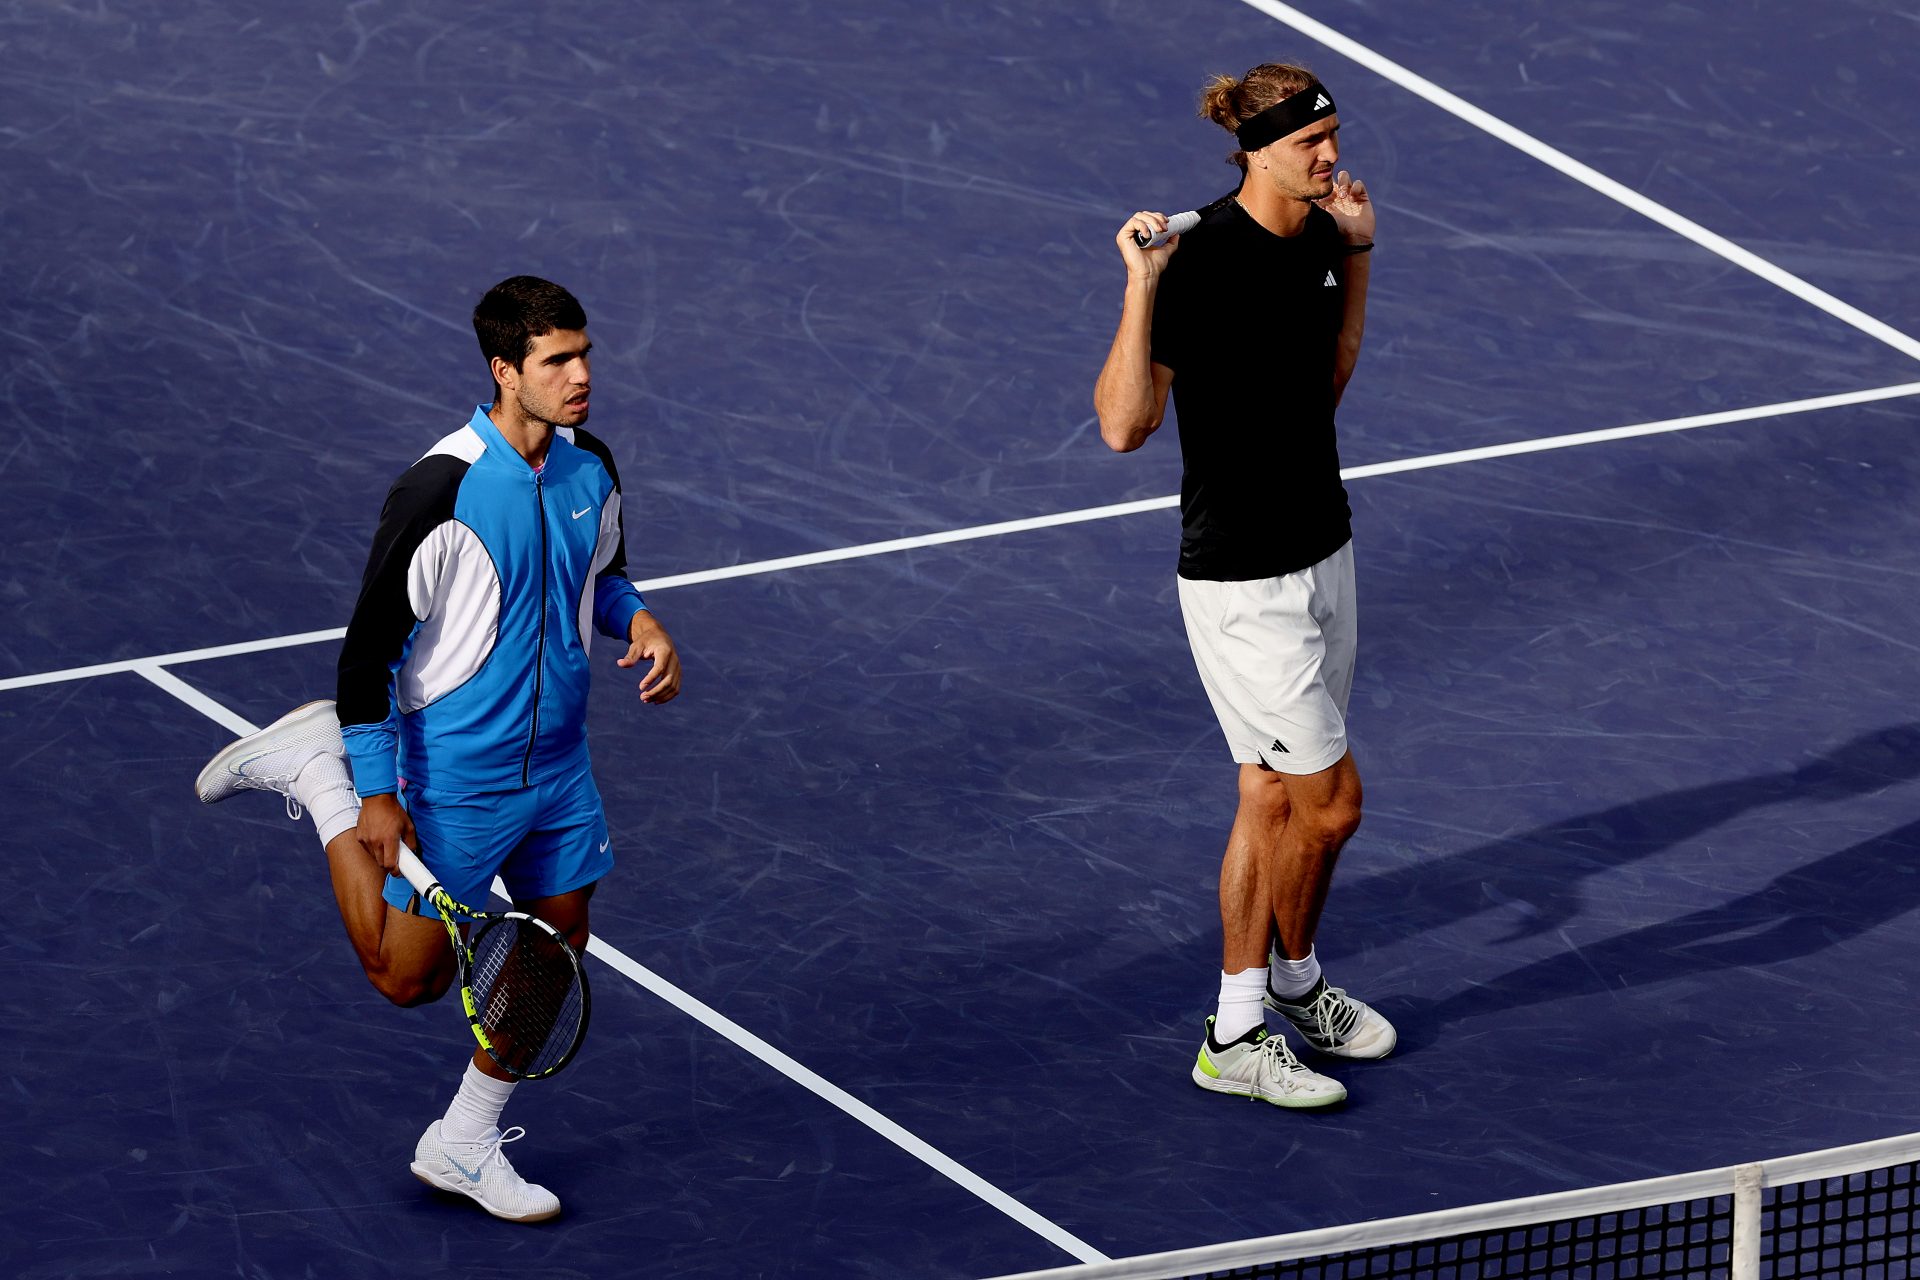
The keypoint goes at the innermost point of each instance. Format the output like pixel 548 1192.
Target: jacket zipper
pixel 540 647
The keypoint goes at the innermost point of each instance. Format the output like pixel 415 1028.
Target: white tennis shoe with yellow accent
pixel 481 1172
pixel 271 759
pixel 1259 1065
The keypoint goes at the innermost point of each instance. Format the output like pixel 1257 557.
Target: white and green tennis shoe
pixel 481 1172
pixel 271 759
pixel 1258 1065
pixel 1332 1021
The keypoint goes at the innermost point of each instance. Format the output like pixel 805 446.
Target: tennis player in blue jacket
pixel 461 703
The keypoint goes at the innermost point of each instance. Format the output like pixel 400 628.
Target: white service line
pixel 145 666
pixel 1626 433
pixel 840 1098
pixel 231 720
pixel 1422 87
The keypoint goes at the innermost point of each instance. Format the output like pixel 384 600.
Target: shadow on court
pixel 1542 875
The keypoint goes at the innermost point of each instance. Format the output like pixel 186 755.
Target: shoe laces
pixel 275 782
pixel 281 782
pixel 1334 1014
pixel 1279 1058
pixel 494 1153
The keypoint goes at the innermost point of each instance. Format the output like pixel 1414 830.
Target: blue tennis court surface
pixel 915 910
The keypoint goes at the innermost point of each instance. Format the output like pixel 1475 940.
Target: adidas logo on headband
pixel 1284 117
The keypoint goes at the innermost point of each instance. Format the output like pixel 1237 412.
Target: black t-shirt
pixel 1249 323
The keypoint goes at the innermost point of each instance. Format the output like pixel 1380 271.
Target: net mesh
pixel 1852 1226
pixel 1857 1227
pixel 1688 1241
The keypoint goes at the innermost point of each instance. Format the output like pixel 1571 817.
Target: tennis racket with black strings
pixel 523 988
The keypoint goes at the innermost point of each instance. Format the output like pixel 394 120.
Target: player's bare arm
pixel 1130 396
pixel 1353 213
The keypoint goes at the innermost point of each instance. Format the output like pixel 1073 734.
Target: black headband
pixel 1284 117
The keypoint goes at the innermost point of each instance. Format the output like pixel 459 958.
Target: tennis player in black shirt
pixel 1253 319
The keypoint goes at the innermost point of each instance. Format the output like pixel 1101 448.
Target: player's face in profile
pixel 556 377
pixel 1300 165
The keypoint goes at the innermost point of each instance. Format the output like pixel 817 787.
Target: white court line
pixel 231 720
pixel 146 666
pixel 1422 87
pixel 840 1098
pixel 714 1020
pixel 1627 433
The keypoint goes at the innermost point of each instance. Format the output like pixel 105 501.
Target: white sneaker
pixel 1334 1022
pixel 480 1171
pixel 271 759
pixel 1258 1065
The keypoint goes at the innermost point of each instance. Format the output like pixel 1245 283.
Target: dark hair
pixel 518 310
pixel 1230 103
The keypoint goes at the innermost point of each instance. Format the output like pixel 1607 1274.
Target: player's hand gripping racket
pixel 1178 225
pixel 524 988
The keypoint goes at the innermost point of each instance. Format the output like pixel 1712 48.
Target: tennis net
pixel 1842 1214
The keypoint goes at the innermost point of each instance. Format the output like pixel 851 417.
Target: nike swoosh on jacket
pixel 465 663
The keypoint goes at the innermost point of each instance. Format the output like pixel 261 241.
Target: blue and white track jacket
pixel 465 664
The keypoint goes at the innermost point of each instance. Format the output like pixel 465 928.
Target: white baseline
pixel 1586 175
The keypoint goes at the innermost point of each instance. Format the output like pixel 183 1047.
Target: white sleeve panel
pixel 603 549
pixel 454 589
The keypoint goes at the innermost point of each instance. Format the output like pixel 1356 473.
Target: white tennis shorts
pixel 1276 657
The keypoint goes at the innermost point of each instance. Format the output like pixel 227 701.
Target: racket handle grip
pixel 415 871
pixel 1178 225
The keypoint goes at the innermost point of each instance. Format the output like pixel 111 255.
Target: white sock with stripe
pixel 1240 1010
pixel 1292 978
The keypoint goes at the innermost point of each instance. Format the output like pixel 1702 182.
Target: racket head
pixel 526 994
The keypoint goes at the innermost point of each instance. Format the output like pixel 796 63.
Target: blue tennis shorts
pixel 543 840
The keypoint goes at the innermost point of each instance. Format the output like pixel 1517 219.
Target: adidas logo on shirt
pixel 1331 282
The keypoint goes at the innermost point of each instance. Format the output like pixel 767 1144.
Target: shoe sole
pixel 235 751
pixel 1294 1102
pixel 440 1181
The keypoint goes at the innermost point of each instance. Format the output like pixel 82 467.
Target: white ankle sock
pixel 1239 1010
pixel 476 1108
pixel 325 790
pixel 1292 978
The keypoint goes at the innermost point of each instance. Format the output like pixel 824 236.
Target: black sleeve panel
pixel 420 501
pixel 598 448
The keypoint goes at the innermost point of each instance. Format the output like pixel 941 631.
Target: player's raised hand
pixel 1140 261
pixel 1350 208
pixel 649 641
